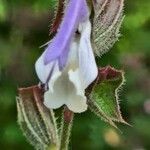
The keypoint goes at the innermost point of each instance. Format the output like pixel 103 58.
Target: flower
pixel 68 65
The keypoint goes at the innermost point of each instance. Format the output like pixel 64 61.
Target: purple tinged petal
pixel 76 12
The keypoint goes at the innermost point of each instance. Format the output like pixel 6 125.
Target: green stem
pixel 67 121
pixel 52 147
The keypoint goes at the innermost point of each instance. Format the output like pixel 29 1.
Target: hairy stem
pixel 67 121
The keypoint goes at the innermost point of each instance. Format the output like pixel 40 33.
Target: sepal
pixel 108 16
pixel 104 97
pixel 36 121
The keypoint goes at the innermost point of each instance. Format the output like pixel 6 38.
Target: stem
pixel 67 121
pixel 52 147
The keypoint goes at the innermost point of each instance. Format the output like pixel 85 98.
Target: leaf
pixel 108 16
pixel 104 98
pixel 36 121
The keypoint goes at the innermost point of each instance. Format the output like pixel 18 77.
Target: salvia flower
pixel 68 65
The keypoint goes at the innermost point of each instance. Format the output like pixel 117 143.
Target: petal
pixel 53 79
pixel 58 96
pixel 76 11
pixel 77 100
pixel 66 91
pixel 77 103
pixel 74 77
pixel 87 64
pixel 45 72
pixel 53 101
pixel 72 62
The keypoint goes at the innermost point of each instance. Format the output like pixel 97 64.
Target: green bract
pixel 104 96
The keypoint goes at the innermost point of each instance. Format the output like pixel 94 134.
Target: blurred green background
pixel 24 26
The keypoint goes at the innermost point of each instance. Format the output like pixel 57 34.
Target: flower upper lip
pixel 76 11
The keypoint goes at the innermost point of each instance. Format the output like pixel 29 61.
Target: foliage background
pixel 24 26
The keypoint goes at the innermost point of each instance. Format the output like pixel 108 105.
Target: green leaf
pixel 104 98
pixel 36 121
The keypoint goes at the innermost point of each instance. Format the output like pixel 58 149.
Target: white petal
pixel 43 71
pixel 76 101
pixel 55 75
pixel 73 60
pixel 58 96
pixel 87 64
pixel 67 91
pixel 53 100
pixel 74 77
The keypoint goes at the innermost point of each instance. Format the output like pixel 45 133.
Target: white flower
pixel 68 65
pixel 67 87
